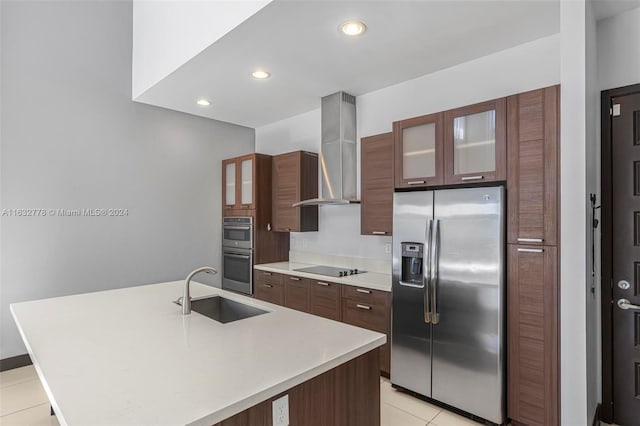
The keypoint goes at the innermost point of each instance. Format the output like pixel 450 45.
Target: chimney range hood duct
pixel 337 151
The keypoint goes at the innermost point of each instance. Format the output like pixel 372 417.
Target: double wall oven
pixel 237 254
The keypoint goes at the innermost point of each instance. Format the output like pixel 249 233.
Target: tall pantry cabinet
pixel 532 235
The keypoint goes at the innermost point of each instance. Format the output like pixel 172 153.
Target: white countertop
pixel 372 280
pixel 128 356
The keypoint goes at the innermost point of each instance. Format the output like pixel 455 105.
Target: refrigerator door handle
pixel 435 248
pixel 426 272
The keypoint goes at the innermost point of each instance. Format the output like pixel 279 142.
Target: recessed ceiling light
pixel 203 102
pixel 353 28
pixel 260 74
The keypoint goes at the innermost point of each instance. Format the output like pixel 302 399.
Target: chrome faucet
pixel 186 299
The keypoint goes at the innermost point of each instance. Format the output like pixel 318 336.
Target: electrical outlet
pixel 387 248
pixel 280 409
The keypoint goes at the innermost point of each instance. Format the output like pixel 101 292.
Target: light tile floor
pixel 23 402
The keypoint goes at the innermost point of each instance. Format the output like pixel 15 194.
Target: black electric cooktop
pixel 331 271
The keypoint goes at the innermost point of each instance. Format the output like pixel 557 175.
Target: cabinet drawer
pixel 267 277
pixel 366 295
pixel 369 316
pixel 325 299
pixel 296 293
pixel 272 292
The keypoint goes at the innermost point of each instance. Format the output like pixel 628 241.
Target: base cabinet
pixel 361 307
pixel 268 286
pixel 325 299
pixel 533 335
pixel 370 309
pixel 296 293
pixel 347 395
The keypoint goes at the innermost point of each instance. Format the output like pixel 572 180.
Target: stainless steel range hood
pixel 337 151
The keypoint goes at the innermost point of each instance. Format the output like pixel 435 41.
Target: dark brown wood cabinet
pixel 419 160
pixel 246 191
pixel 268 286
pixel 362 307
pixel 475 143
pixel 246 181
pixel 295 178
pixel 376 183
pixel 296 293
pixel 532 284
pixel 324 299
pixel 532 325
pixel 532 181
pixel 346 395
pixel 370 309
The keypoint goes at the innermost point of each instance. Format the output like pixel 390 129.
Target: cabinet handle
pixel 415 182
pixel 359 306
pixel 324 284
pixel 294 278
pixel 268 285
pixel 472 178
pixel 530 240
pixel 267 273
pixel 527 250
pixel 379 233
pixel 362 290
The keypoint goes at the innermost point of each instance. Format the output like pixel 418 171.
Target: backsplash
pixel 339 234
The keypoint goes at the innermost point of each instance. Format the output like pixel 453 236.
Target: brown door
pixel 625 142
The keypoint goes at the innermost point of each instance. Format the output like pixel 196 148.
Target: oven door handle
pixel 244 228
pixel 239 256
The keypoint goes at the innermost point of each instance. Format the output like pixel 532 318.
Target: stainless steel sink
pixel 224 310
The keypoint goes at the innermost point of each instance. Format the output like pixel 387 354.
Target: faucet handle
pixel 179 300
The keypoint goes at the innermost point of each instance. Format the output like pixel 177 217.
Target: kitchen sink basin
pixel 224 310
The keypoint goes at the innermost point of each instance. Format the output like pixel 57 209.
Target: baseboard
pixel 596 416
pixel 15 362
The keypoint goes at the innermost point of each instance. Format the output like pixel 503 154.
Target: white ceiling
pixel 603 9
pixel 299 43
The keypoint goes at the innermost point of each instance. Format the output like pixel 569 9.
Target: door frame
pixel 606 278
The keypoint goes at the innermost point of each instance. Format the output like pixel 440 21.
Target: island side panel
pixel 348 395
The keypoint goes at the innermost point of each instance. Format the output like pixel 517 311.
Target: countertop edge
pixel 36 366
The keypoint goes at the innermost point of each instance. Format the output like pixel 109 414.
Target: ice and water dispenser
pixel 412 263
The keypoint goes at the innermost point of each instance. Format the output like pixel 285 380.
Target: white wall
pixel 619 50
pixel 573 205
pixel 72 138
pixel 168 33
pixel 525 67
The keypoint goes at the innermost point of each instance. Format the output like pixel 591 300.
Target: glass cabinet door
pixel 418 151
pixel 475 143
pixel 246 184
pixel 230 184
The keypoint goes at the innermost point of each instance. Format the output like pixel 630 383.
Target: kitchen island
pixel 128 357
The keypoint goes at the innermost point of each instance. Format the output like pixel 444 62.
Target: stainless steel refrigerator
pixel 448 325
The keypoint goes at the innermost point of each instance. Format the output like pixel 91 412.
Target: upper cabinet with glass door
pixel 238 183
pixel 419 153
pixel 475 143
